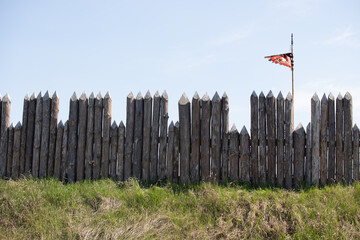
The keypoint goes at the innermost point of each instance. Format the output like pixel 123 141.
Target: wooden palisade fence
pixel 199 147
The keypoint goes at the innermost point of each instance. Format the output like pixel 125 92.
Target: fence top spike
pixel 331 96
pixel 205 97
pixel 99 96
pixel 347 96
pixel 233 128
pixel 184 99
pixel 280 96
pixel 66 123
pixel 308 126
pixel 244 131
pixel 177 124
pixel 224 95
pixel 11 126
pixel 107 95
pixel 74 97
pixel 47 95
pixel 7 98
pixel 27 98
pixel 33 96
pixel 147 95
pixel 40 95
pixel 164 95
pixel 216 97
pixel 324 98
pixel 92 95
pixel 196 95
pixel 339 96
pixel 157 94
pixel 83 96
pixel 130 95
pixel 288 96
pixel 114 125
pixel 171 126
pixel 315 97
pixel 356 127
pixel 139 96
pixel 270 94
pixel 261 95
pixel 18 125
pixel 55 95
pixel 253 94
pixel 299 128
pixel 60 124
pixel 121 124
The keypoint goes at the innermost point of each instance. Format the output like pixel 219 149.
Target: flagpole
pixel 292 73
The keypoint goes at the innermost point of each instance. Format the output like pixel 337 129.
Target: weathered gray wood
pixel 73 128
pixel 113 150
pixel 288 141
pixel 331 122
pixel 154 154
pixel 185 128
pixel 254 104
pixel 170 152
pixel 234 153
pixel 244 155
pixel 299 154
pixel 37 136
pixel 224 136
pixel 195 139
pixel 81 149
pixel 130 123
pixel 339 138
pixel 205 138
pixel 280 139
pixel 23 135
pixel 315 139
pixel 146 137
pixel 5 123
pixel 105 145
pixel 120 152
pixel 323 140
pixel 271 133
pixel 176 160
pixel 138 135
pixel 52 140
pixel 9 155
pixel 45 135
pixel 356 153
pixel 347 106
pixel 98 113
pixel 163 135
pixel 58 146
pixel 308 155
pixel 64 152
pixel 89 154
pixel 262 139
pixel 216 138
pixel 30 135
pixel 16 152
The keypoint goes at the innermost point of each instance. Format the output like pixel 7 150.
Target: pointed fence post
pixel 113 150
pixel 64 153
pixel 262 139
pixel 16 152
pixel 234 153
pixel 23 135
pixel 176 162
pixel 130 123
pixel 105 145
pixel 195 139
pixel 98 113
pixel 37 136
pixel 5 123
pixel 89 154
pixel 146 137
pixel 120 152
pixel 30 135
pixel 280 139
pixel 347 104
pixel 225 136
pixel 244 155
pixel 299 154
pixel 331 124
pixel 9 155
pixel 170 152
pixel 154 154
pixel 339 138
pixel 271 132
pixel 138 137
pixel 288 141
pixel 163 135
pixel 308 155
pixel 216 138
pixel 315 138
pixel 356 153
pixel 254 104
pixel 45 135
pixel 57 158
pixel 81 149
pixel 185 134
pixel 52 140
pixel 323 140
pixel 73 128
pixel 205 137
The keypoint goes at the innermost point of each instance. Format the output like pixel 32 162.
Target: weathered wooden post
pixel 113 150
pixel 37 136
pixel 195 139
pixel 9 155
pixel 347 106
pixel 64 152
pixel 184 130
pixel 262 139
pixel 23 135
pixel 45 135
pixel 5 123
pixel 323 140
pixel 30 135
pixel 271 132
pixel 130 122
pixel 331 124
pixel 16 152
pixel 138 135
pixel 308 155
pixel 170 152
pixel 163 135
pixel 254 104
pixel 299 154
pixel 154 154
pixel 356 152
pixel 81 149
pixel 89 154
pixel 244 155
pixel 234 153
pixel 98 113
pixel 146 137
pixel 205 137
pixel 339 138
pixel 288 141
pixel 120 152
pixel 224 136
pixel 73 127
pixel 215 138
pixel 105 146
pixel 315 139
pixel 280 139
pixel 52 140
pixel 57 158
pixel 175 175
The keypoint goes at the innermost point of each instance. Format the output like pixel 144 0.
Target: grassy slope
pixel 34 209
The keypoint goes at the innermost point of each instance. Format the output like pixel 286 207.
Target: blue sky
pixel 179 46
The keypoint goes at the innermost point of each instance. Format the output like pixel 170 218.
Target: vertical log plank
pixel 23 134
pixel 356 153
pixel 52 140
pixel 30 135
pixel 45 135
pixel 184 131
pixel 299 154
pixel 5 123
pixel 254 105
pixel 9 155
pixel 138 135
pixel 225 136
pixel 216 138
pixel 57 160
pixel 288 141
pixel 205 137
pixel 234 153
pixel 244 155
pixel 339 138
pixel 315 139
pixel 98 113
pixel 154 154
pixel 16 152
pixel 170 152
pixel 176 162
pixel 113 150
pixel 130 122
pixel 195 139
pixel 37 136
pixel 105 145
pixel 146 137
pixel 80 167
pixel 271 131
pixel 331 125
pixel 280 139
pixel 163 135
pixel 308 155
pixel 120 152
pixel 73 128
pixel 64 153
pixel 262 139
pixel 89 154
pixel 347 106
pixel 323 140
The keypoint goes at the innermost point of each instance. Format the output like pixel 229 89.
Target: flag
pixel 285 59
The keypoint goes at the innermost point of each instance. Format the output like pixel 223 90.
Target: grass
pixel 48 209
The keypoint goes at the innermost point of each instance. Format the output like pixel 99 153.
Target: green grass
pixel 48 209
